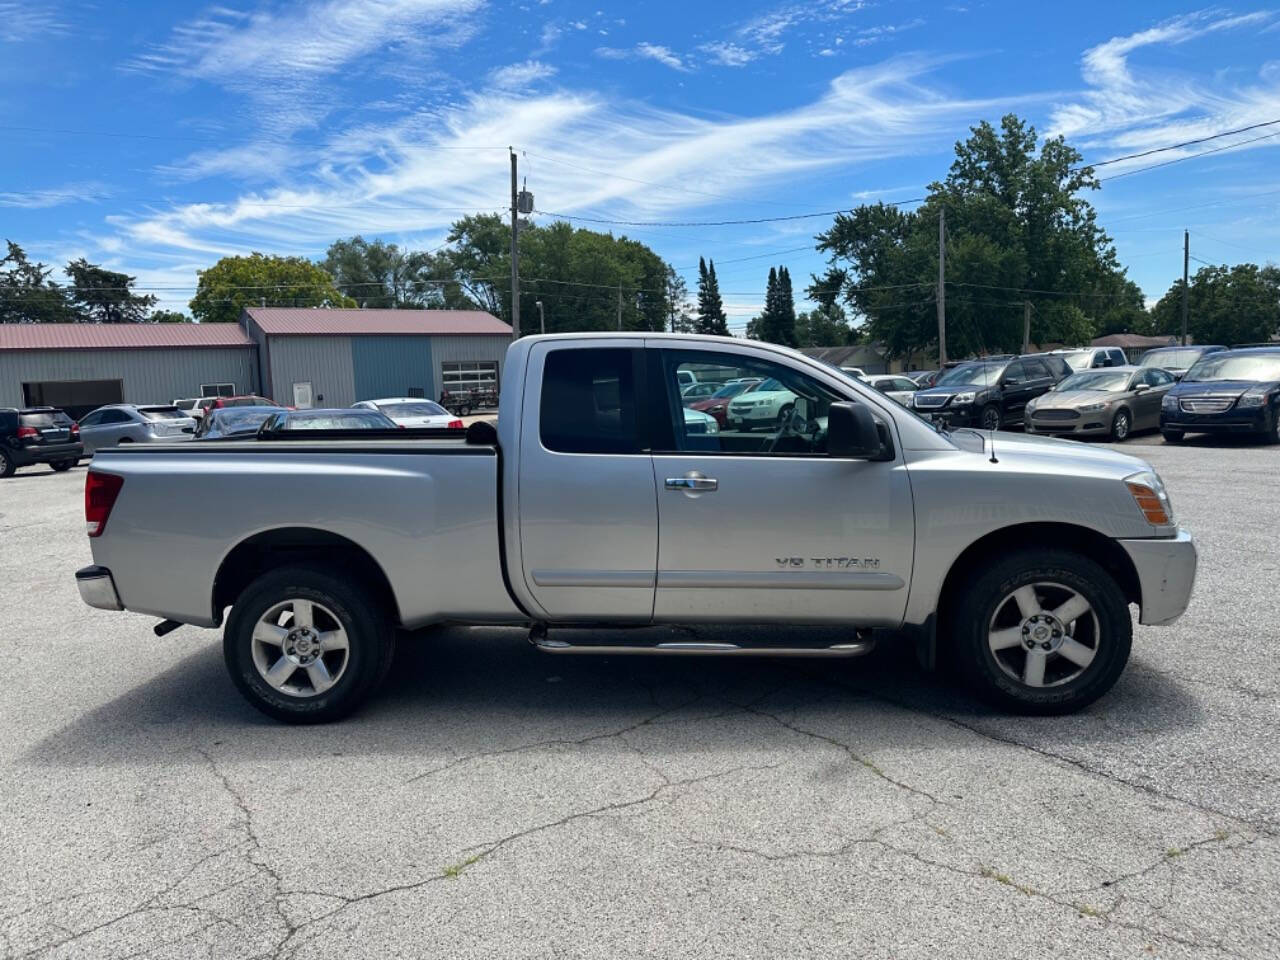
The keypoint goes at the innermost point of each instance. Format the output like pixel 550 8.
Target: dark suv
pixel 38 435
pixel 990 393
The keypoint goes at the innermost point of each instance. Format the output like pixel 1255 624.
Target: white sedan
pixel 894 386
pixel 412 412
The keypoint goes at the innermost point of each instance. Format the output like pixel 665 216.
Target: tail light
pixel 75 430
pixel 27 433
pixel 454 425
pixel 400 425
pixel 100 492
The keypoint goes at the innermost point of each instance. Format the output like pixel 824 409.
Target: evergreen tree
pixel 777 324
pixel 27 295
pixel 712 319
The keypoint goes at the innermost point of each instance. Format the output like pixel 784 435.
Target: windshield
pixel 240 419
pixel 1096 380
pixel 730 390
pixel 1179 358
pixel 770 385
pixel 977 374
pixel 162 413
pixel 339 420
pixel 1246 366
pixel 423 409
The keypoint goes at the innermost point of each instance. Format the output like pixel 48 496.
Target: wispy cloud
pixel 23 22
pixel 728 54
pixel 518 75
pixel 645 51
pixel 80 192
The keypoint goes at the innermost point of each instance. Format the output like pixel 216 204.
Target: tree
pixel 1018 229
pixel 1227 305
pixel 168 316
pixel 678 303
pixel 104 296
pixel 27 295
pixel 824 326
pixel 378 274
pixel 711 319
pixel 234 283
pixel 777 324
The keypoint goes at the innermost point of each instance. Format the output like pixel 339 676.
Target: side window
pixel 1037 370
pixel 783 412
pixel 1157 378
pixel 902 383
pixel 1015 373
pixel 92 420
pixel 113 416
pixel 589 401
pixel 1118 359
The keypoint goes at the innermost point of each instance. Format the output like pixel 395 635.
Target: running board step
pixel 687 648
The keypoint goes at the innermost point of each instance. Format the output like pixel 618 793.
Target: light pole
pixel 542 320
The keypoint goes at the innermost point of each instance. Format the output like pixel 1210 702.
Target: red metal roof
pixel 120 336
pixel 320 321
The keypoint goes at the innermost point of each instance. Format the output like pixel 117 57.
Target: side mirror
pixel 852 432
pixel 1012 381
pixel 1141 387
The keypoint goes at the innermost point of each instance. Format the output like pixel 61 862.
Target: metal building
pixel 80 366
pixel 321 357
pixel 297 356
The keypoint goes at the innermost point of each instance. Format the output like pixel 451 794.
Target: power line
pixel 1190 156
pixel 1177 146
pixel 710 223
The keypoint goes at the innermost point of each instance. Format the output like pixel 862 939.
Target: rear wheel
pixel 1121 426
pixel 7 466
pixel 61 466
pixel 303 646
pixel 1043 632
pixel 1172 436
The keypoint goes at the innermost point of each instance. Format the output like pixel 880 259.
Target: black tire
pixel 62 466
pixel 370 638
pixel 1122 417
pixel 7 466
pixel 986 592
pixel 1272 435
pixel 990 417
pixel 1172 436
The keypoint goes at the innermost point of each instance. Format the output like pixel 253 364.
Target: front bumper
pixel 1089 424
pixel 1166 573
pixel 1230 421
pixel 97 589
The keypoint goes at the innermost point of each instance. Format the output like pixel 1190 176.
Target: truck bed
pixel 426 508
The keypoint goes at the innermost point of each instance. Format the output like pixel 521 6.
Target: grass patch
pixel 454 870
pixel 1008 881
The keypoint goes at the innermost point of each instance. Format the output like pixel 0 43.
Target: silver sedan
pixel 128 423
pixel 1114 402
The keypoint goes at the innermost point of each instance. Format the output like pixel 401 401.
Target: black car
pixel 1231 391
pixel 38 435
pixel 990 393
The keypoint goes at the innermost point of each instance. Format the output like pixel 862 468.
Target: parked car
pixel 234 422
pixel 919 377
pixel 195 407
pixel 411 412
pixel 897 387
pixel 248 400
pixel 697 422
pixel 699 391
pixel 38 435
pixel 288 421
pixel 591 508
pixel 766 404
pixel 717 404
pixel 1177 360
pixel 1227 391
pixel 856 372
pixel 1091 358
pixel 129 423
pixel 990 393
pixel 1114 402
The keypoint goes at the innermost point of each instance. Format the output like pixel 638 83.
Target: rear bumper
pixel 47 453
pixel 97 589
pixel 1166 573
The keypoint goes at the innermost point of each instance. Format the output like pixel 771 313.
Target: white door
pixel 587 510
pixel 758 526
pixel 302 395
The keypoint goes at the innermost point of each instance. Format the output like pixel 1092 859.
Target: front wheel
pixel 303 646
pixel 1173 436
pixel 991 418
pixel 1043 632
pixel 7 466
pixel 1121 425
pixel 1273 434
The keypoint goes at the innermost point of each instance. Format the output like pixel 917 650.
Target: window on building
pixel 217 389
pixel 418 393
pixel 469 375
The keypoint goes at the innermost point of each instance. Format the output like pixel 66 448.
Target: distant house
pixel 868 357
pixel 1134 345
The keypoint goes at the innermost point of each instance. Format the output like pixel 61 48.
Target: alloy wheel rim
pixel 300 648
pixel 1122 425
pixel 1044 634
pixel 991 420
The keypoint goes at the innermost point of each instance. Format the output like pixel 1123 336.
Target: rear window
pixel 161 413
pixel 589 402
pixel 424 409
pixel 351 420
pixel 44 418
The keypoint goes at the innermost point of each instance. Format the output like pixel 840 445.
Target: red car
pixel 716 404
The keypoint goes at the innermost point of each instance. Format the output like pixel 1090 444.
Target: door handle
pixel 691 483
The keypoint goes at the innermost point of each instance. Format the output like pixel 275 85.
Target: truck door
pixel 588 515
pixel 763 525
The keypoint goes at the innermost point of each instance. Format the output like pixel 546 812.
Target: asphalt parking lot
pixel 497 802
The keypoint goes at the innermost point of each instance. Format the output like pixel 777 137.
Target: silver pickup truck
pixel 597 501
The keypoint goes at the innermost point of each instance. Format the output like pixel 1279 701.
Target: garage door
pixel 77 397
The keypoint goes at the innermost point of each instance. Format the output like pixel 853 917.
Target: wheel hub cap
pixel 1042 630
pixel 302 646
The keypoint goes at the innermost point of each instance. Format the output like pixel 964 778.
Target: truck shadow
pixel 460 691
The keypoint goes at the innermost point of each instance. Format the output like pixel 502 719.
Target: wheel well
pixel 298 546
pixel 1097 547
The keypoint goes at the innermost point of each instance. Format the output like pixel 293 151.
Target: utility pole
pixel 1186 262
pixel 515 255
pixel 619 306
pixel 1026 326
pixel 542 319
pixel 942 287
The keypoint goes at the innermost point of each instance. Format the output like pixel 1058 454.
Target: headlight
pixel 1169 402
pixel 1254 398
pixel 1092 407
pixel 1151 497
pixel 960 399
pixel 712 426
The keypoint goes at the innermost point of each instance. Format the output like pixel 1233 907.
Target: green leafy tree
pixel 168 316
pixel 27 295
pixel 378 274
pixel 1227 305
pixel 1019 228
pixel 105 296
pixel 711 318
pixel 234 283
pixel 682 321
pixel 823 326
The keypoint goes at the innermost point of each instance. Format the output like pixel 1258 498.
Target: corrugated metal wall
pixel 388 366
pixel 447 349
pixel 324 361
pixel 150 376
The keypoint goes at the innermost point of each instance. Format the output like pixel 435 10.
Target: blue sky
pixel 156 137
